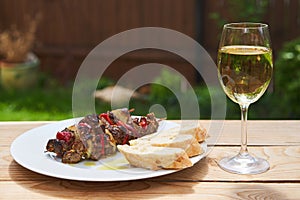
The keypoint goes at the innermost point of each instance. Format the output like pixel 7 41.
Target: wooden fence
pixel 70 29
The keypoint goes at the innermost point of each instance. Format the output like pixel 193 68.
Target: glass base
pixel 244 164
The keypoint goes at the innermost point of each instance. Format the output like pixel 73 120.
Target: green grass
pixel 48 100
pixel 40 103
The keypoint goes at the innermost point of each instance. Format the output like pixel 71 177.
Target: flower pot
pixel 19 75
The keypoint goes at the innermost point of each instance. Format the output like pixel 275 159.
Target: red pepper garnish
pixel 63 135
pixel 106 117
pixel 143 123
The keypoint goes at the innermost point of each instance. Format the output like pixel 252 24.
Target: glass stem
pixel 244 113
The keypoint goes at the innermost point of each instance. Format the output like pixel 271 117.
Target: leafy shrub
pixel 160 94
pixel 286 96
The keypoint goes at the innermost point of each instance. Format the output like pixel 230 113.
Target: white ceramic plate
pixel 28 150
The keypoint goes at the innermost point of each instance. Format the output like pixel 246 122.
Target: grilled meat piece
pixel 97 142
pixel 122 114
pixel 146 125
pixel 55 146
pixel 120 134
pixel 123 128
pixel 71 156
pixel 75 154
pixel 96 136
pixel 133 129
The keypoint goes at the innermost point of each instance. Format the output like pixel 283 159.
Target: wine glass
pixel 244 69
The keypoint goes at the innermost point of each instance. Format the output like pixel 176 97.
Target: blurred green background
pixel 51 97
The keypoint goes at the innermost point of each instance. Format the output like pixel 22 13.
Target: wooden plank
pixel 262 132
pixel 284 162
pixel 284 165
pixel 10 130
pixel 259 132
pixel 58 189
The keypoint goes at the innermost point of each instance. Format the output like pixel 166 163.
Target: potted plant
pixel 18 64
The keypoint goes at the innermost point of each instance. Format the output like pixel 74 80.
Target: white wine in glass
pixel 245 69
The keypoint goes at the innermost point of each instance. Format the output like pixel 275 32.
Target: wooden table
pixel 277 141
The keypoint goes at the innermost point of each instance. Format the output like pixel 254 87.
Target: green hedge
pixel 286 98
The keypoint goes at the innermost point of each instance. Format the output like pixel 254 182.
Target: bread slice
pixel 154 158
pixel 194 129
pixel 167 149
pixel 186 142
